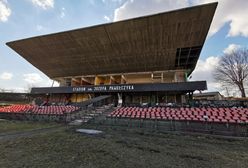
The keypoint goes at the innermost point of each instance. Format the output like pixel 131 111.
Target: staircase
pixel 90 114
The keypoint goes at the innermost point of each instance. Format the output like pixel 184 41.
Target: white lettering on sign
pixel 121 88
pixel 100 88
pixel 103 88
pixel 79 89
pixel 89 89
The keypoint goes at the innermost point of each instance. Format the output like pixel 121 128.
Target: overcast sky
pixel 27 18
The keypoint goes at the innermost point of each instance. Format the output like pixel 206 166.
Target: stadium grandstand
pixel 136 69
pixel 149 62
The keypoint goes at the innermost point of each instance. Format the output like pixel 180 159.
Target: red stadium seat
pixel 219 115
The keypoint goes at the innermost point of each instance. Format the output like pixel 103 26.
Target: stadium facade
pixel 141 60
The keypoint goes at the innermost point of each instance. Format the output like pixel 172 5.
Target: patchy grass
pixel 16 126
pixel 121 148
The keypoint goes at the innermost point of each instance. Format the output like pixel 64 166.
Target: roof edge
pixel 105 24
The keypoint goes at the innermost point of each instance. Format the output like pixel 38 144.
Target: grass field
pixel 120 148
pixel 15 126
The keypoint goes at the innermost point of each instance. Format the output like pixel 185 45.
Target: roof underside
pixel 165 41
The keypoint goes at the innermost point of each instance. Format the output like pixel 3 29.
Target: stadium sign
pixel 105 88
pixel 168 87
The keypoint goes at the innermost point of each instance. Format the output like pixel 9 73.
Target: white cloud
pixel 35 79
pixel 25 82
pixel 62 13
pixel 136 8
pixel 15 90
pixel 5 11
pixel 92 2
pixel 44 4
pixel 113 1
pixel 6 76
pixel 39 28
pixel 106 18
pixel 32 78
pixel 231 48
pixel 233 12
pixel 204 71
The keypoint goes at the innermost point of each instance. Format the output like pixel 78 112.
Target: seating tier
pixel 220 115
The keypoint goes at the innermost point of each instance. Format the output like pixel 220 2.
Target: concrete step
pixel 76 122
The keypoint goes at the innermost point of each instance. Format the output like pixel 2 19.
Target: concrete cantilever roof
pixel 164 41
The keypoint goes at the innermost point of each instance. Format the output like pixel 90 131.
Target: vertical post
pixel 156 97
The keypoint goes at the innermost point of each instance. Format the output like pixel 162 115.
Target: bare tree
pixel 232 69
